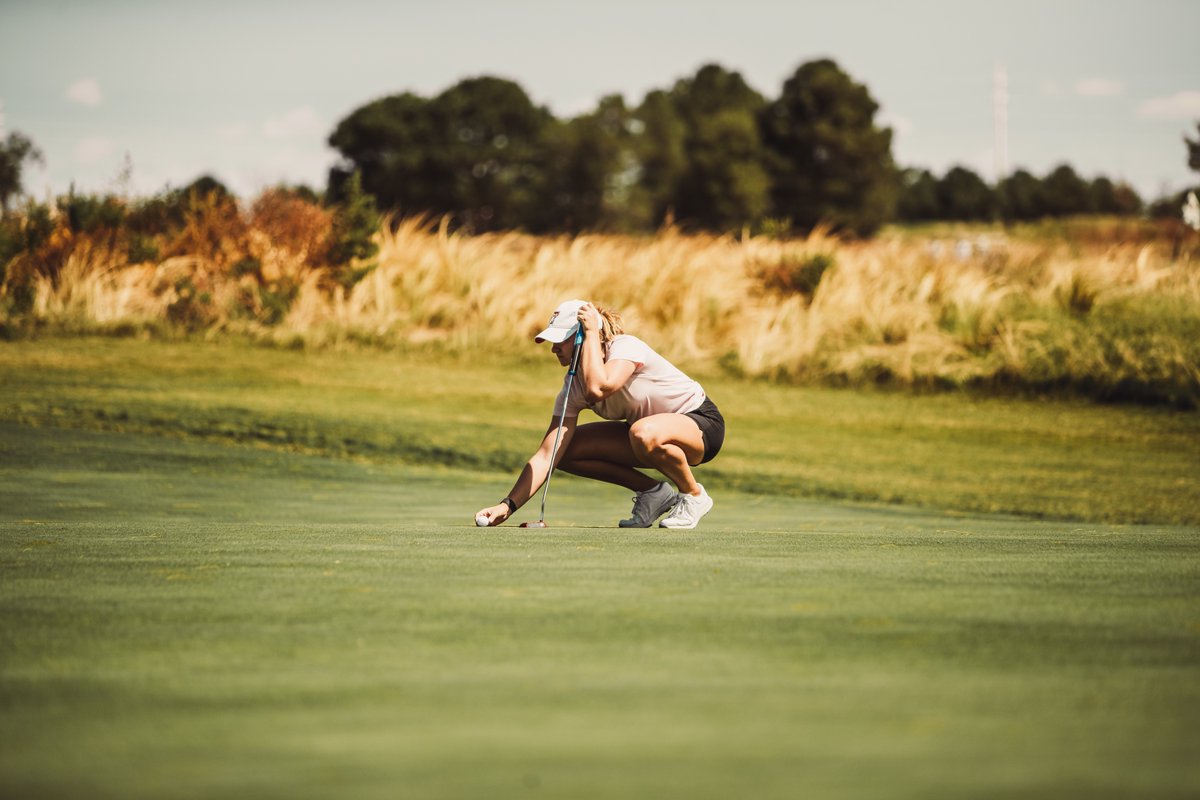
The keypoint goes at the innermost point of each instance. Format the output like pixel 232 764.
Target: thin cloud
pixel 90 150
pixel 86 92
pixel 232 131
pixel 301 121
pixel 1099 87
pixel 1181 105
pixel 3 132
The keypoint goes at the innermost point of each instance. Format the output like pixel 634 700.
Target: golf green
pixel 187 619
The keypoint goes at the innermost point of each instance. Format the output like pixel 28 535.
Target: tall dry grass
pixel 1114 320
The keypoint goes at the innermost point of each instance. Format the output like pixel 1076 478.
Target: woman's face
pixel 564 350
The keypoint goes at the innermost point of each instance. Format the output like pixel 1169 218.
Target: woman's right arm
pixel 600 378
pixel 534 473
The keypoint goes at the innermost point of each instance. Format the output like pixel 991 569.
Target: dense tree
pixel 1025 197
pixel 827 160
pixel 493 150
pixel 1064 192
pixel 918 198
pixel 14 152
pixel 477 150
pixel 1020 197
pixel 1126 201
pixel 590 183
pixel 1106 197
pixel 710 152
pixel 963 195
pixel 723 183
pixel 389 142
pixel 1101 195
pixel 660 151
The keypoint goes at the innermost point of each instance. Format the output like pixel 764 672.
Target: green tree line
pixel 708 153
pixel 961 194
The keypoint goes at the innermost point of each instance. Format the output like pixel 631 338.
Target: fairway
pixel 188 619
pixel 297 299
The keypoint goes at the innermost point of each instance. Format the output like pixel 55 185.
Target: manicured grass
pixel 1049 459
pixel 186 619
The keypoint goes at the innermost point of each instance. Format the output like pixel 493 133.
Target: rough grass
pixel 189 620
pixel 1110 313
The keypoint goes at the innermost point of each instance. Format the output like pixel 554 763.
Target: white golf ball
pixel 482 521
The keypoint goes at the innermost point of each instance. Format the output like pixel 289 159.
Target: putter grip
pixel 575 357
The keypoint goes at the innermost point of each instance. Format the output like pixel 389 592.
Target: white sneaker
pixel 649 506
pixel 688 510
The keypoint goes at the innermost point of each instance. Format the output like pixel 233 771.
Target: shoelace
pixel 680 506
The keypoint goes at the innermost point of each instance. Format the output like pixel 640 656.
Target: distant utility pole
pixel 1000 121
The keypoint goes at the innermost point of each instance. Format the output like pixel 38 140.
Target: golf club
pixel 541 521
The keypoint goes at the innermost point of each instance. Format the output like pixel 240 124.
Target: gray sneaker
pixel 688 510
pixel 649 506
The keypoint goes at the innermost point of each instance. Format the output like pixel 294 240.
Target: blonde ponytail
pixel 611 326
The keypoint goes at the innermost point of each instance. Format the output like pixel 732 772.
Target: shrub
pixel 796 273
pixel 91 214
pixel 141 249
pixel 294 221
pixel 213 229
pixel 355 223
pixel 168 211
pixel 23 232
pixel 275 300
pixel 1064 309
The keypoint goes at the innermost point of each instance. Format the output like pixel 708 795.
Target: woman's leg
pixel 602 451
pixel 671 444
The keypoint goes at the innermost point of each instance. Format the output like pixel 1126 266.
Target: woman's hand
pixel 589 318
pixel 493 514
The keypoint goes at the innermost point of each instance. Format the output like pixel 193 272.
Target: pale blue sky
pixel 249 90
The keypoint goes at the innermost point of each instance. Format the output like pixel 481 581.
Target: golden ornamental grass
pixel 900 308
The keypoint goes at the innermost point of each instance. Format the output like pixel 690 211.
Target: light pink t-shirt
pixel 656 386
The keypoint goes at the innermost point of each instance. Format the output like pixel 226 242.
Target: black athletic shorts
pixel 712 428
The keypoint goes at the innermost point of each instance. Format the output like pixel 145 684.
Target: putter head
pixel 533 524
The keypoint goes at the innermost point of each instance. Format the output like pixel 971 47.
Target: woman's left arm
pixel 599 379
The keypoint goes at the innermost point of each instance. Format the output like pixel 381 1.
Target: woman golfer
pixel 655 416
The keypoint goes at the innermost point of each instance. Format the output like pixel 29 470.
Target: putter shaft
pixel 561 414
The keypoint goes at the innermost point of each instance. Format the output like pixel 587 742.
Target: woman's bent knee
pixel 645 435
